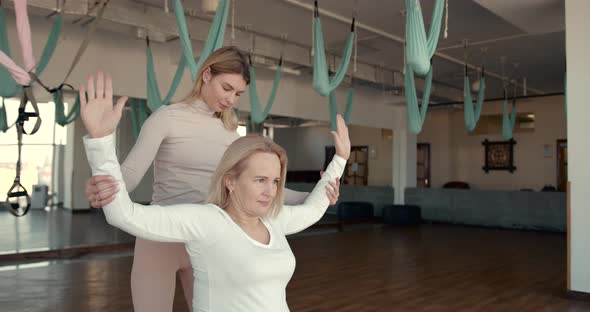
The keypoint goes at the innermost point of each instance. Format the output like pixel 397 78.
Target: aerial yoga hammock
pixel 321 79
pixel 471 115
pixel 186 59
pixel 419 51
pixel 139 113
pixel 257 114
pixel 214 39
pixel 508 122
pixel 334 107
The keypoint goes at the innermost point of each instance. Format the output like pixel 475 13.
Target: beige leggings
pixel 153 276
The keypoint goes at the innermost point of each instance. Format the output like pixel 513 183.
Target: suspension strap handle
pixel 24 116
pixel 13 204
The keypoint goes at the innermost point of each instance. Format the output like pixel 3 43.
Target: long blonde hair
pixel 233 163
pixel 226 60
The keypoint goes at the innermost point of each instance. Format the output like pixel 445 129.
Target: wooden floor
pixel 46 234
pixel 426 268
pixel 57 229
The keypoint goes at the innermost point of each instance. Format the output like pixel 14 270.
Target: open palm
pixel 341 139
pixel 99 115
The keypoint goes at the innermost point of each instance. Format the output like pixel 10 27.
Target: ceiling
pixel 527 34
pixel 534 48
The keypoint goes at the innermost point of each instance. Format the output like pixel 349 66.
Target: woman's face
pixel 255 189
pixel 222 91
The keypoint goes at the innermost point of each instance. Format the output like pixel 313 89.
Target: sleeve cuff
pixel 341 161
pixel 100 153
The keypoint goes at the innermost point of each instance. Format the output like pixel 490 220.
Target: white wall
pixel 404 164
pixel 457 155
pixel 578 67
pixel 305 146
pixel 436 132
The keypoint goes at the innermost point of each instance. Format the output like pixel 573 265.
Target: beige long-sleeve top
pixel 185 141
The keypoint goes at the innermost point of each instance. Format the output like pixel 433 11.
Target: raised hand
pixel 99 115
pixel 341 139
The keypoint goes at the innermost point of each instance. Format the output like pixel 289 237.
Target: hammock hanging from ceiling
pixel 321 78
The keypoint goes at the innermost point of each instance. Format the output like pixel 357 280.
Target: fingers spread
pixel 90 86
pixel 100 85
pixel 108 91
pixel 82 94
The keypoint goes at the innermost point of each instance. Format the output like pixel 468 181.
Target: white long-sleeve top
pixel 185 142
pixel 232 271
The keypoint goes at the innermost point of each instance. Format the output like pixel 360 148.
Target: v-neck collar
pixel 255 242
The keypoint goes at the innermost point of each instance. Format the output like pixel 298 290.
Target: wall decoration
pixel 499 155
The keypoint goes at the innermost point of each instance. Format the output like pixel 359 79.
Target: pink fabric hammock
pixel 23 27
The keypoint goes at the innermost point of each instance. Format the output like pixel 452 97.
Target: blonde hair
pixel 226 60
pixel 233 163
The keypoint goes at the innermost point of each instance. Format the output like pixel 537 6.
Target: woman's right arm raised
pixel 100 189
pixel 177 223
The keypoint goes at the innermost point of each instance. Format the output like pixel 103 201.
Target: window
pixel 37 150
pixel 242 131
pixel 266 131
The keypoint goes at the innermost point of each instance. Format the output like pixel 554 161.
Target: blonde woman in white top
pixel 240 255
pixel 185 142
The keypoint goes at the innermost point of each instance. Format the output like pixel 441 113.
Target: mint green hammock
pixel 8 86
pixel 214 42
pixel 61 118
pixel 416 115
pixel 508 122
pixel 139 114
pixel 419 49
pixel 334 108
pixel 321 79
pixel 471 115
pixel 3 122
pixel 154 98
pixel 257 115
pixel 214 39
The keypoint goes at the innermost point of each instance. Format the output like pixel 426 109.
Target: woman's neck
pixel 241 218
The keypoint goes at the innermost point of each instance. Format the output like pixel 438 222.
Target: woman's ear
pixel 229 183
pixel 207 75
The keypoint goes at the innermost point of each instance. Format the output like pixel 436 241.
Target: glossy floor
pixel 426 268
pixel 56 229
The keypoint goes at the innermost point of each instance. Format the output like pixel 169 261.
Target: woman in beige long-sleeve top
pixel 185 142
